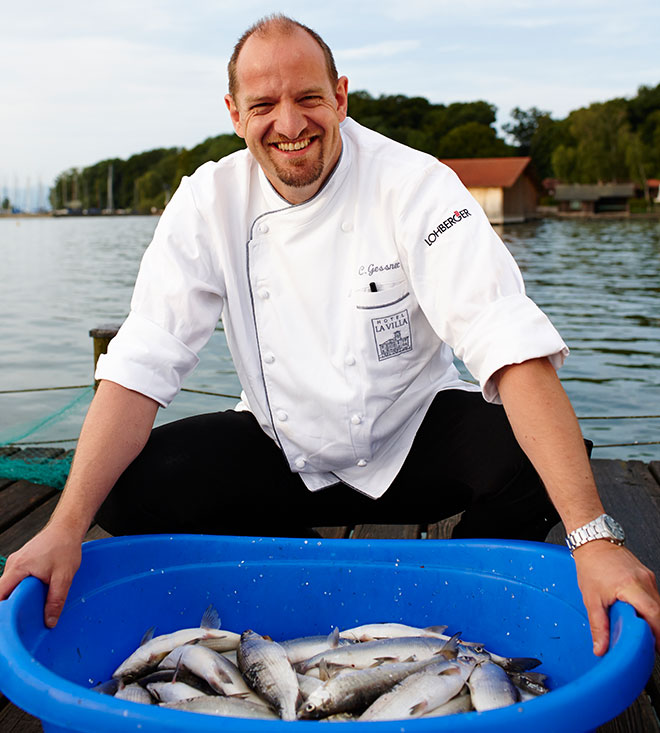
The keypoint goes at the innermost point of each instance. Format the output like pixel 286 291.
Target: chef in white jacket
pixel 348 270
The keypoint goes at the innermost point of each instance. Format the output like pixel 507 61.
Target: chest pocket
pixel 384 318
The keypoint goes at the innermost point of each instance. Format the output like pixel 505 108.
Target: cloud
pixel 385 49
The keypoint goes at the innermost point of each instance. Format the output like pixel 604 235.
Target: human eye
pixel 260 107
pixel 311 100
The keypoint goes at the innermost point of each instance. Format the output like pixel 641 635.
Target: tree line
pixel 613 141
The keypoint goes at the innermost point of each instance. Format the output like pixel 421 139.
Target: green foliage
pixel 143 183
pixel 460 130
pixel 618 140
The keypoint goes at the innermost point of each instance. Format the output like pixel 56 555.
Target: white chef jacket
pixel 342 314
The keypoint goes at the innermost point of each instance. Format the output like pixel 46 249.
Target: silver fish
pixel 134 693
pixel 420 692
pixel 356 689
pixel 304 647
pixel 219 673
pixel 365 654
pixel 231 707
pixel 460 704
pixel 511 664
pixel 370 632
pixel 173 691
pixel 148 654
pixel 307 684
pixel 267 670
pixel 490 687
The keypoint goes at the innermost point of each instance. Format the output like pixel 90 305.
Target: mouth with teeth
pixel 293 147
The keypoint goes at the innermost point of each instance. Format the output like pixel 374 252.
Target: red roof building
pixel 506 188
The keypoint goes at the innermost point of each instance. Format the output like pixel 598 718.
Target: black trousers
pixel 219 473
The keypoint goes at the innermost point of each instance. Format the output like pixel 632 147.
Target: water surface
pixel 599 282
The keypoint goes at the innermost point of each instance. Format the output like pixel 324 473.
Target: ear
pixel 341 96
pixel 235 115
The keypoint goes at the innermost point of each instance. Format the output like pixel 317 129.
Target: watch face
pixel 614 527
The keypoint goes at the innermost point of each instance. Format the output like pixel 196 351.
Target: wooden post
pixel 102 336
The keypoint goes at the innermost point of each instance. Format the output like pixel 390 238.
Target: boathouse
pixel 506 188
pixel 600 198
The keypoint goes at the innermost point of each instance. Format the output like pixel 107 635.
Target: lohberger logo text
pixel 446 224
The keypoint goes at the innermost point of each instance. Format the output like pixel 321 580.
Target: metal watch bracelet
pixel 603 527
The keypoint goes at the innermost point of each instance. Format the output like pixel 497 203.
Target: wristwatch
pixel 601 528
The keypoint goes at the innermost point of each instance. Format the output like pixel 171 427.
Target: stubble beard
pixel 300 173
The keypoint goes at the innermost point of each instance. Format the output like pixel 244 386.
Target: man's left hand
pixel 608 573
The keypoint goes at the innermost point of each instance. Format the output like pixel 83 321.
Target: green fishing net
pixel 48 465
pixel 41 465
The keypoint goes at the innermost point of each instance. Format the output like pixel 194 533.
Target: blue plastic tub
pixel 518 598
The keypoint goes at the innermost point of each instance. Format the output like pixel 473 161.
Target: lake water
pixel 599 281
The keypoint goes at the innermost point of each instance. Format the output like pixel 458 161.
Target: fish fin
pixel 324 671
pixel 537 677
pixel 436 629
pixel 450 670
pixel 177 668
pixel 520 664
pixel 210 619
pixel 239 695
pixel 450 649
pixel 381 660
pixel 333 638
pixel 418 709
pixel 147 636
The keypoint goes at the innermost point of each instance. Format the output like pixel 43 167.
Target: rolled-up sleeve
pixel 176 304
pixel 468 284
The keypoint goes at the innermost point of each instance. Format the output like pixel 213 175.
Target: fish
pixel 304 647
pixel 268 671
pixel 510 664
pixel 150 653
pixel 391 630
pixel 231 707
pixel 421 692
pixel 356 689
pixel 173 691
pixel 490 687
pixel 368 653
pixel 462 703
pixel 216 670
pixel 134 693
pixel 381 671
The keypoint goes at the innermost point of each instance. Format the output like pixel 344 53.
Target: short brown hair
pixel 282 24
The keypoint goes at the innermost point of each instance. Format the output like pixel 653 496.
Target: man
pixel 347 269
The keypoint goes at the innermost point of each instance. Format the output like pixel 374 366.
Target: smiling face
pixel 288 111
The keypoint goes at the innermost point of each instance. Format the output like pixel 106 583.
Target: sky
pixel 85 81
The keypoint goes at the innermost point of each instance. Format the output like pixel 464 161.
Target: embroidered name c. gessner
pixel 372 268
pixel 448 223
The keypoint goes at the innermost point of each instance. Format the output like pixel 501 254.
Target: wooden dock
pixel 630 491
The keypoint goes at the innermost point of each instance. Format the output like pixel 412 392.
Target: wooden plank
pixel 18 534
pixel 96 533
pixel 20 498
pixel 629 492
pixel 333 533
pixel 654 467
pixel 14 720
pixel 39 455
pixel 442 530
pixel 387 531
pixel 638 718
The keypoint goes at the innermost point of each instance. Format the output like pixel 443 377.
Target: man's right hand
pixel 53 556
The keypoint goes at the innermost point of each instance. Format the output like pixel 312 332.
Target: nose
pixel 290 120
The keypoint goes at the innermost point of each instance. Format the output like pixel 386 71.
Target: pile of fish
pixel 382 671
